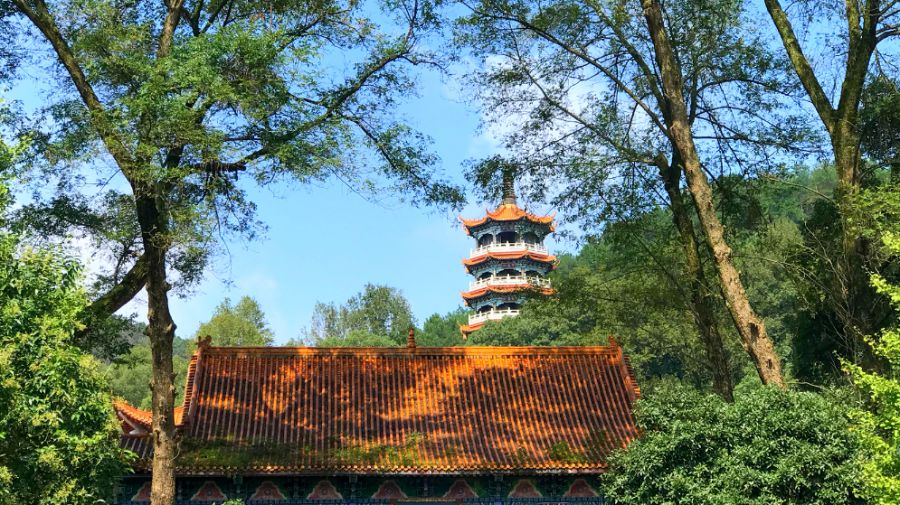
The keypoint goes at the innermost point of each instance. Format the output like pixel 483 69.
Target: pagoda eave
pixel 466 329
pixel 515 255
pixel 515 288
pixel 507 213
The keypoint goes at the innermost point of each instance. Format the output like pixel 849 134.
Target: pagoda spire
pixel 509 187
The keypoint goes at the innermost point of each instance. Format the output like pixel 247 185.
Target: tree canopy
pixel 240 324
pixel 378 315
pixel 769 446
pixel 58 434
pixel 181 98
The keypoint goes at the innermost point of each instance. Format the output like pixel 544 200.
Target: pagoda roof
pixel 413 410
pixel 508 255
pixel 508 212
pixel 482 291
pixel 466 329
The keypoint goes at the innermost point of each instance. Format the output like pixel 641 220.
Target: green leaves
pixel 377 316
pixel 58 433
pixel 769 446
pixel 241 324
pixel 879 423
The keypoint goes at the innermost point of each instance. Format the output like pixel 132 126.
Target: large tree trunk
pixel 161 332
pixel 751 329
pixel 701 300
pixel 852 297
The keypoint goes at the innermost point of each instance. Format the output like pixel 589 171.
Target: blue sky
pixel 324 242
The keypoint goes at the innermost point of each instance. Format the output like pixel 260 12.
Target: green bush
pixel 59 439
pixel 769 446
pixel 879 424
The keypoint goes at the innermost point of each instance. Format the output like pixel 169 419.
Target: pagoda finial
pixel 509 186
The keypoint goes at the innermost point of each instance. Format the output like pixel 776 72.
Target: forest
pixel 729 171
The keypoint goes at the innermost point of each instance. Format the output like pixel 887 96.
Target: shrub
pixel 769 446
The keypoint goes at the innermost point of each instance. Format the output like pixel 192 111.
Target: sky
pixel 324 242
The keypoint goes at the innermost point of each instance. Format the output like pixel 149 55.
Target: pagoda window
pixel 507 237
pixel 531 238
pixel 508 306
pixel 532 273
pixel 486 275
pixel 486 239
pixel 485 308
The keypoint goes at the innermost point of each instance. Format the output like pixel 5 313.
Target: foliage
pixel 627 281
pixel 567 86
pixel 769 446
pixel 378 315
pixel 129 374
pixel 879 425
pixel 241 324
pixel 443 330
pixel 245 91
pixel 357 338
pixel 58 433
pixel 598 291
pixel 880 122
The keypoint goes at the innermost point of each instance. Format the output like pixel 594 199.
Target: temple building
pixel 509 259
pixel 280 425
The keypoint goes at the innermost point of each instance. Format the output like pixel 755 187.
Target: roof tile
pixel 402 410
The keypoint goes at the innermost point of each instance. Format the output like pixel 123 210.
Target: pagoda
pixel 509 259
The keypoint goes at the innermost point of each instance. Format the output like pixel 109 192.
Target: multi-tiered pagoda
pixel 509 259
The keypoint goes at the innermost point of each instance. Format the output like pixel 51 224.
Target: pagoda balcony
pixel 508 247
pixel 492 315
pixel 510 280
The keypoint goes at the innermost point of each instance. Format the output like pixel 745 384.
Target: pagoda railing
pixel 492 315
pixel 510 280
pixel 508 247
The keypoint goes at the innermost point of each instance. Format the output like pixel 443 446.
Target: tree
pixel 357 338
pixel 769 446
pixel 443 330
pixel 580 79
pixel 379 315
pixel 879 118
pixel 129 374
pixel 879 424
pixel 868 24
pixel 182 97
pixel 242 324
pixel 615 285
pixel 750 326
pixel 59 439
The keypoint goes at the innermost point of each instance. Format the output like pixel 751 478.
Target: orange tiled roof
pixel 507 212
pixel 402 410
pixel 466 329
pixel 514 255
pixel 142 417
pixel 475 293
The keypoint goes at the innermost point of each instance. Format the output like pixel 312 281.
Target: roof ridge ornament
pixel 411 338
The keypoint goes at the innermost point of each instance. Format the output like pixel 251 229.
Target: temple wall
pixel 136 489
